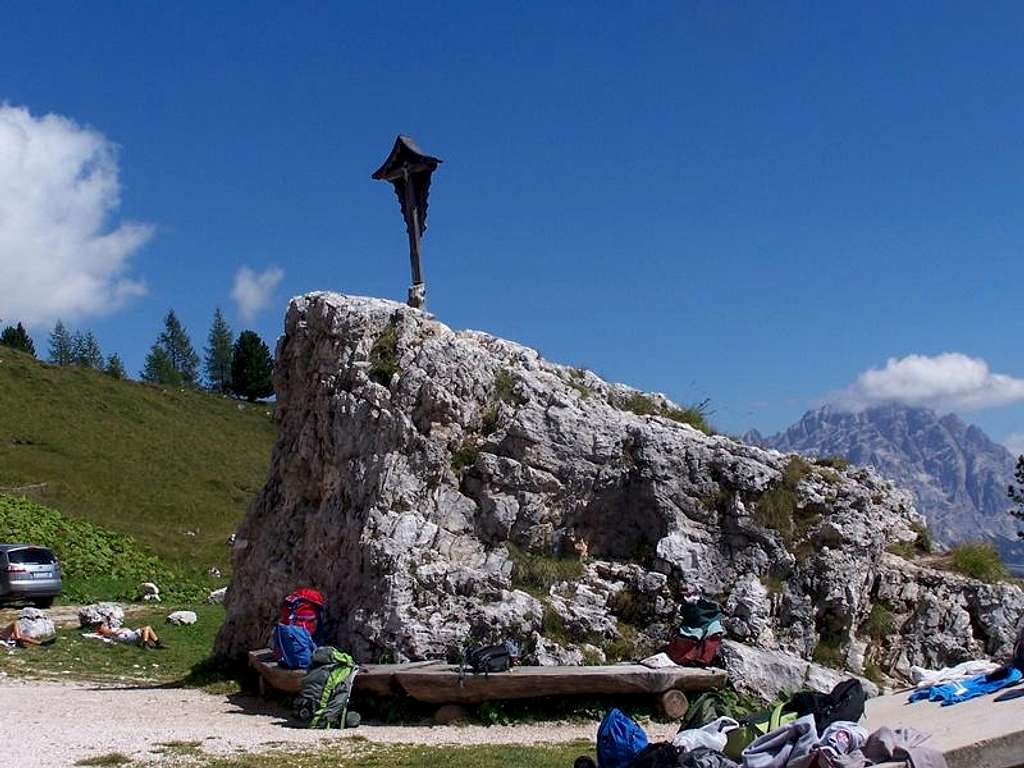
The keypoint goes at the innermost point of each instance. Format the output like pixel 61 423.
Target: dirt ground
pixel 55 724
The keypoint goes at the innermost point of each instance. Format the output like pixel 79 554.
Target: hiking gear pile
pixel 982 685
pixel 811 730
pixel 326 690
pixel 492 658
pixel 699 637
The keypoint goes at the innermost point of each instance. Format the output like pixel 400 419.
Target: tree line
pixel 241 367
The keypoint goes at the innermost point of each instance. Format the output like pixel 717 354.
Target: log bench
pixel 436 682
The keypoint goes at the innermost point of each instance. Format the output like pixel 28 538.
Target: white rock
pixel 217 596
pixel 111 614
pixel 182 617
pixel 35 624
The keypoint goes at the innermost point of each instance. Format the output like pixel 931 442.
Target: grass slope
pixel 143 460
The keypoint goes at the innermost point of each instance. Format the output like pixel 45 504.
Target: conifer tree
pixel 62 350
pixel 252 368
pixel 171 360
pixel 219 352
pixel 115 367
pixel 16 337
pixel 86 350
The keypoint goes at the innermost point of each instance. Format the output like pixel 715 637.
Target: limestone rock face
pixel 440 487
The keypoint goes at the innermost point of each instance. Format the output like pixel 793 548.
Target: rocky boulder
pixel 440 487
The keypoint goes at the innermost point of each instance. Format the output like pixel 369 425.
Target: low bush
pixel 384 356
pixel 833 462
pixel 96 563
pixel 979 560
pixel 881 622
pixel 777 507
pixel 694 415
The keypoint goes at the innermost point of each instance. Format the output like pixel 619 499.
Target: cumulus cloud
pixel 60 256
pixel 950 382
pixel 253 290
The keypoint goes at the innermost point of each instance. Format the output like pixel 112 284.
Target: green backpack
pixel 754 726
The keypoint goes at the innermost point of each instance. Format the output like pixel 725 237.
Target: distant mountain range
pixel 957 473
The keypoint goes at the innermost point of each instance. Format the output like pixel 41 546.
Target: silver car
pixel 30 573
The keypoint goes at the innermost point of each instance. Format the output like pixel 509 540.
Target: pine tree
pixel 219 351
pixel 115 367
pixel 62 350
pixel 16 337
pixel 178 347
pixel 86 350
pixel 252 368
pixel 159 369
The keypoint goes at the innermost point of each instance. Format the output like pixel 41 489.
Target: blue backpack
pixel 294 646
pixel 619 739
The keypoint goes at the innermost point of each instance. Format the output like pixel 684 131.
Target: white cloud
pixel 949 382
pixel 253 290
pixel 1014 443
pixel 59 255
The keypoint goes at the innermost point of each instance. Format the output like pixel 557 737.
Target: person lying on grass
pixel 11 635
pixel 144 636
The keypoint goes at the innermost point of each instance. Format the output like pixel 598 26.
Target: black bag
pixel 844 702
pixel 492 658
pixel 661 755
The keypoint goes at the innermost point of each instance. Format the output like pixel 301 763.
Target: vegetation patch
pixel 979 560
pixel 828 654
pixel 576 381
pixel 881 621
pixel 465 455
pixel 96 563
pixel 644 405
pixel 110 758
pixel 839 463
pixel 625 647
pixel 632 607
pixel 184 661
pixel 921 545
pixel 537 573
pixel 173 468
pixel 777 507
pixel 384 356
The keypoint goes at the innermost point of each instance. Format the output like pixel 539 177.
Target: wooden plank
pixel 441 684
pixel 377 679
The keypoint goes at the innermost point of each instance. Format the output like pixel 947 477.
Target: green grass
pixel 96 563
pixel 183 660
pixel 135 458
pixel 644 405
pixel 356 753
pixel 777 507
pixel 979 560
pixel 828 655
pixel 833 462
pixel 536 573
pixel 881 622
pixel 110 758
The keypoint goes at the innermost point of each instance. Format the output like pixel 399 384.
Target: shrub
pixel 924 541
pixel 881 622
pixel 640 404
pixel 979 560
pixel 465 456
pixel 504 387
pixel 833 462
pixel 695 415
pixel 778 505
pixel 384 356
pixel 576 382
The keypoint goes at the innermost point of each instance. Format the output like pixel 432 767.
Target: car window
pixel 31 556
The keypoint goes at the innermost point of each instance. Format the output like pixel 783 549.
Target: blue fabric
pixel 619 739
pixel 954 693
pixel 294 645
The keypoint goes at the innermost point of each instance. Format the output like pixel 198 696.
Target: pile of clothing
pixel 968 680
pixel 699 636
pixel 811 730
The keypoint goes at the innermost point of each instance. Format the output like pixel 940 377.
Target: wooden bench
pixel 437 682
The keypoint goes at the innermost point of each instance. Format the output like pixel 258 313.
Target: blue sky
pixel 753 203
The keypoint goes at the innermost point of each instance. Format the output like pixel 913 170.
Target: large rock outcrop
pixel 440 486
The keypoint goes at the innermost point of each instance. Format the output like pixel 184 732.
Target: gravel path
pixel 55 724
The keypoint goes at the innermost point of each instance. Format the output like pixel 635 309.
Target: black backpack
pixel 844 702
pixel 492 658
pixel 661 755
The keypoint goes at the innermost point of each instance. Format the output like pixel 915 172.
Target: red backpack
pixel 303 608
